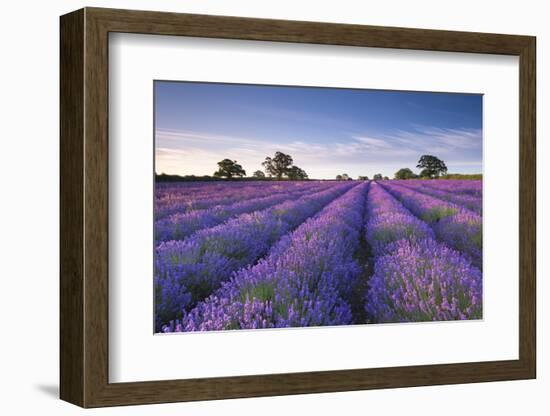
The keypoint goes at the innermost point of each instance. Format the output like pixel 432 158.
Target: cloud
pixel 188 152
pixel 178 138
pixel 195 153
pixel 372 143
pixel 439 139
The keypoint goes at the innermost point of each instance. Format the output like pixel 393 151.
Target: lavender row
pixel 415 277
pixel 181 198
pixel 181 225
pixel 463 187
pixel 471 202
pixel 172 190
pixel 456 226
pixel 306 280
pixel 179 201
pixel 188 271
pixel 388 221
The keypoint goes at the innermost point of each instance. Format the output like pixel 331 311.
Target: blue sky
pixel 327 131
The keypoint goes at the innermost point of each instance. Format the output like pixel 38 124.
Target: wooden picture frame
pixel 84 207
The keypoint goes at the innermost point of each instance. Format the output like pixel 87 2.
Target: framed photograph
pixel 255 207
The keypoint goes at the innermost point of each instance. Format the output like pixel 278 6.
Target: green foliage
pixel 259 174
pixel 405 173
pixel 163 177
pixel 377 177
pixel 281 165
pixel 431 166
pixel 438 212
pixel 229 168
pixel 278 165
pixel 461 176
pixel 263 291
pixel 294 173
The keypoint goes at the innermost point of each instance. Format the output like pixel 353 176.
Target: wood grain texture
pixel 96 207
pixel 162 23
pixel 71 208
pixel 84 207
pixel 528 207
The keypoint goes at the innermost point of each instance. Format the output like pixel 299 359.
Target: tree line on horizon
pixel 432 168
pixel 281 167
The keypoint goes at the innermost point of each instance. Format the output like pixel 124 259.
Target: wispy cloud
pixel 327 131
pixel 372 143
pixel 189 152
pixel 440 139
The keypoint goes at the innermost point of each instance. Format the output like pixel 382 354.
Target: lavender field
pixel 273 254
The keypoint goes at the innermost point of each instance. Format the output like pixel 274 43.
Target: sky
pixel 327 131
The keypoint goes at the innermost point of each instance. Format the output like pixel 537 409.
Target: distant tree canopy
pixel 229 168
pixel 278 165
pixel 363 178
pixel 431 166
pixel 295 173
pixel 282 165
pixel 463 176
pixel 404 173
pixel 377 177
pixel 163 177
pixel 343 177
pixel 259 174
pixel 386 178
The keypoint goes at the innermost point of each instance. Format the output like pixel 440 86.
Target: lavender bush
pixel 468 201
pixel 181 225
pixel 423 280
pixel 306 279
pixel 236 255
pixel 458 227
pixel 389 221
pixel 203 261
pixel 187 197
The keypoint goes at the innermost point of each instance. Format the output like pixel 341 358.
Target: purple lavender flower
pixel 182 224
pixel 258 255
pixel 388 221
pixel 470 201
pixel 306 280
pixel 463 231
pixel 456 226
pixel 425 207
pixel 173 198
pixel 423 280
pixel 207 258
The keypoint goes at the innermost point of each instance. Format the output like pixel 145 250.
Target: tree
pixel 229 168
pixel 386 178
pixel 363 178
pixel 295 173
pixel 259 174
pixel 431 166
pixel 404 173
pixel 377 177
pixel 425 174
pixel 345 177
pixel 278 166
pixel 338 177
